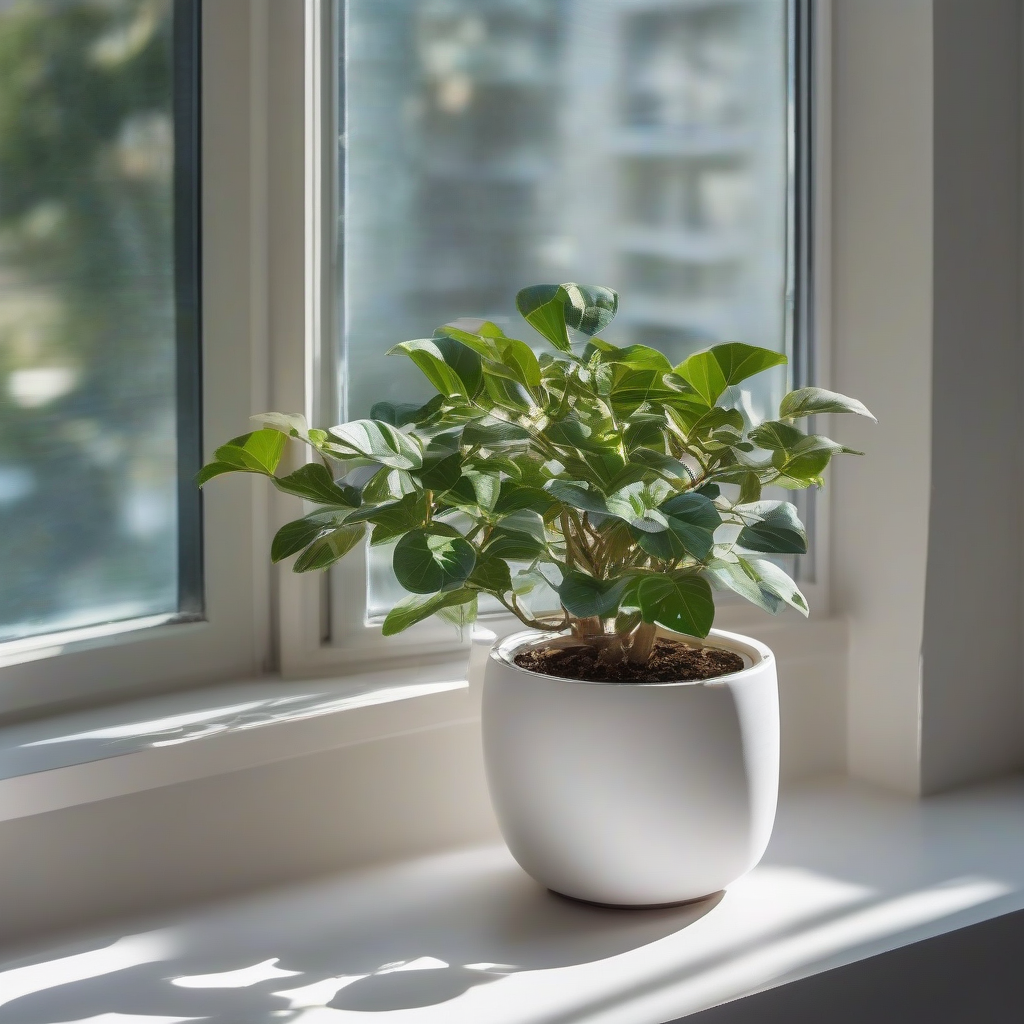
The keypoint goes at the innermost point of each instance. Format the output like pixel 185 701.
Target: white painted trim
pixel 881 307
pixel 819 594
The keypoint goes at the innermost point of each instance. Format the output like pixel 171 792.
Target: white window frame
pixel 95 665
pixel 321 629
pixel 268 309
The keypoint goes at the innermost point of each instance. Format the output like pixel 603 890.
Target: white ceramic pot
pixel 633 794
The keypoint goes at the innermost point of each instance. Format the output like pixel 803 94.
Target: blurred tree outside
pixel 88 520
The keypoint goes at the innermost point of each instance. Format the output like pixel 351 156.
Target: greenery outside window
pixel 99 315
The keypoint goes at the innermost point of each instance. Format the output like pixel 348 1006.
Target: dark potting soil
pixel 671 661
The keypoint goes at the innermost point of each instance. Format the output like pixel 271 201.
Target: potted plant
pixel 632 752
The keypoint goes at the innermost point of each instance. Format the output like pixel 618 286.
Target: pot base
pixel 640 906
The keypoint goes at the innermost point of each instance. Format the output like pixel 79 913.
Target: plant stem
pixel 516 609
pixel 570 558
pixel 590 626
pixel 643 643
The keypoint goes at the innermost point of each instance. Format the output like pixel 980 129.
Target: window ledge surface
pixel 465 936
pixel 78 758
pixel 69 759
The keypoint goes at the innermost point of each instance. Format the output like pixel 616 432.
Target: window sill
pixel 69 759
pixel 79 758
pixel 465 936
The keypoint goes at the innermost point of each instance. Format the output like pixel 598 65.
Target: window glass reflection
pixel 88 512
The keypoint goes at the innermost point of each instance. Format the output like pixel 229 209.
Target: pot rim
pixel 754 653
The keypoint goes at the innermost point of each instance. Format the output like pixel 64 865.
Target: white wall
pixel 882 323
pixel 927 331
pixel 973 710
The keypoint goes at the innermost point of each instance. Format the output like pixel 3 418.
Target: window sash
pixel 185 191
pixel 227 635
pixel 187 105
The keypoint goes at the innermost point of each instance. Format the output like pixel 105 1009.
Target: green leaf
pixel 402 413
pixel 453 368
pixel 809 401
pixel 799 458
pixel 664 465
pixel 774 435
pixel 520 360
pixel 716 418
pixel 212 469
pixel 704 374
pixel 527 582
pixel 393 519
pixel 315 483
pixel 738 361
pixel 495 465
pixel 750 488
pixel 327 550
pixel 667 545
pixel 777 582
pixel 543 308
pixel 414 609
pixel 637 504
pixel 584 596
pixel 291 423
pixel 710 373
pixel 578 497
pixel 526 522
pixel 632 388
pixel 513 546
pixel 459 615
pixel 591 308
pixel 804 463
pixel 738 577
pixel 681 602
pixel 494 434
pixel 294 536
pixel 486 488
pixel 434 558
pixel 778 529
pixel 388 485
pixel 550 308
pixel 692 520
pixel 506 393
pixel 491 574
pixel 571 433
pixel 482 336
pixel 258 452
pixel 441 474
pixel 645 430
pixel 514 497
pixel 475 493
pixel 380 442
pixel 639 357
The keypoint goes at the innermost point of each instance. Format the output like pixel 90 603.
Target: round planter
pixel 633 794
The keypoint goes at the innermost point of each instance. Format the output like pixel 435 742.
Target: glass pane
pixel 492 144
pixel 88 430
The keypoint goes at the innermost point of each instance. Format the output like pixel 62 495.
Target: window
pixel 99 327
pixel 490 144
pixel 117 579
pixel 484 144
